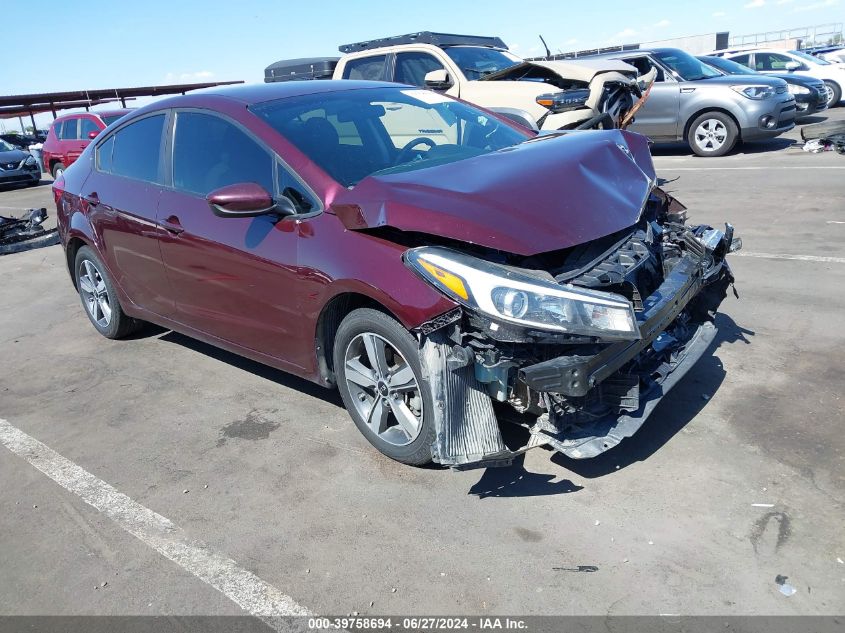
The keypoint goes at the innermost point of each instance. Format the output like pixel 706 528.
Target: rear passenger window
pixel 370 68
pixel 86 126
pixel 104 154
pixel 209 153
pixel 69 130
pixel 136 150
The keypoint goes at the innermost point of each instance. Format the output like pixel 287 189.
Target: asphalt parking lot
pixel 737 478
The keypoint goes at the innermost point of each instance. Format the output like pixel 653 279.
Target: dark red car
pixel 70 134
pixel 424 256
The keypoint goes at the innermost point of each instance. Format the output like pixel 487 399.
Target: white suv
pixel 777 61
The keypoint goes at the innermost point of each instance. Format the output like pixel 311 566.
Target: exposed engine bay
pixel 578 392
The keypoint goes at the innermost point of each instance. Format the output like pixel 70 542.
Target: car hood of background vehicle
pixel 12 156
pixel 532 198
pixel 738 80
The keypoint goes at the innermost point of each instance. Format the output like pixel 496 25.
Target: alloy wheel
pixel 94 293
pixel 384 389
pixel 710 135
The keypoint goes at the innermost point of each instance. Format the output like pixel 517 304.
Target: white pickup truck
pixel 546 95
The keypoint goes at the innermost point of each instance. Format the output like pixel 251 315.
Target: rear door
pixel 72 144
pixel 123 191
pixel 659 117
pixel 235 278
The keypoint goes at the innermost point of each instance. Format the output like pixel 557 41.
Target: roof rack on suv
pixel 425 37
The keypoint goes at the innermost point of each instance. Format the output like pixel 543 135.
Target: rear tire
pixel 712 134
pixel 58 170
pixel 836 95
pixel 99 299
pixel 394 398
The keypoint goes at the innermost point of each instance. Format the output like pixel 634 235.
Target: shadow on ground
pixel 754 147
pixel 277 376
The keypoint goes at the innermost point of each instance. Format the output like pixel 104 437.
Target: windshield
pixel 477 61
pixel 810 58
pixel 352 134
pixel 6 147
pixel 728 66
pixel 686 66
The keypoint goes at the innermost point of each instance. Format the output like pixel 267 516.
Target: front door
pixel 232 278
pixel 658 118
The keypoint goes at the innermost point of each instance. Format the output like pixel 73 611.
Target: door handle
pixel 172 225
pixel 92 198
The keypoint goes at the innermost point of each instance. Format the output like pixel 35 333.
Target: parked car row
pixel 707 102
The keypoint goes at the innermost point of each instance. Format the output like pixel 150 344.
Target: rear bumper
pixel 808 105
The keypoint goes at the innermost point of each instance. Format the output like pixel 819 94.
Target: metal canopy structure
pixel 32 104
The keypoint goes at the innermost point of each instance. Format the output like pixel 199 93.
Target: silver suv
pixel 693 102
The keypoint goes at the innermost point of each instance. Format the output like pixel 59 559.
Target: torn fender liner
pixel 464 420
pixel 607 432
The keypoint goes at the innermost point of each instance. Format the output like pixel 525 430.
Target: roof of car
pixel 258 93
pixel 636 51
pixel 99 113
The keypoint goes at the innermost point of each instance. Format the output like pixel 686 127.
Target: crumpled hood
pixel 536 197
pixel 579 69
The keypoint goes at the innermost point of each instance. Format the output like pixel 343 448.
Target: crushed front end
pixel 576 346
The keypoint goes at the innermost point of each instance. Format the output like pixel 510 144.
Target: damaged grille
pixel 632 268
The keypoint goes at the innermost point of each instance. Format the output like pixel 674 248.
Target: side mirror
pixel 793 65
pixel 247 200
pixel 93 134
pixel 438 80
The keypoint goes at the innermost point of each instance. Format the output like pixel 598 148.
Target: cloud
pixel 625 33
pixel 571 41
pixel 815 6
pixel 663 23
pixel 755 4
pixel 784 1
pixel 719 14
pixel 200 75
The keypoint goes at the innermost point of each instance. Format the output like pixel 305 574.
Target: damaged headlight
pixel 516 296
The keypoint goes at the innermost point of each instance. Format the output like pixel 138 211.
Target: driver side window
pixel 209 153
pixel 411 68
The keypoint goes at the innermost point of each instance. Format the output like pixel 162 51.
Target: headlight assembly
pixel 798 90
pixel 755 92
pixel 517 297
pixel 30 160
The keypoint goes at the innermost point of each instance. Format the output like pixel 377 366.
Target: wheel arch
pixel 705 110
pixel 335 310
pixel 74 243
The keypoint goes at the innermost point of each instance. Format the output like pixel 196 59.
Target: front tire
pixel 835 92
pixel 99 298
pixel 377 367
pixel 712 134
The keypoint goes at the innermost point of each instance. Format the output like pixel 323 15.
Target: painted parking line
pixel 242 587
pixel 800 258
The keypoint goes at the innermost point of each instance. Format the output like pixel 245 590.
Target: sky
pixel 96 44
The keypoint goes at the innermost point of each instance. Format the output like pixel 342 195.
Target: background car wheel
pixel 58 170
pixel 712 134
pixel 834 94
pixel 377 366
pixel 99 298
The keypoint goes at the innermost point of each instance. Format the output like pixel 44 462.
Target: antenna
pixel 546 46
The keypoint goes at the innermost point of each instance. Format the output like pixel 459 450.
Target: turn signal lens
pixel 447 279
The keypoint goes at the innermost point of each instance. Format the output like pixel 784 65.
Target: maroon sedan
pixel 420 254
